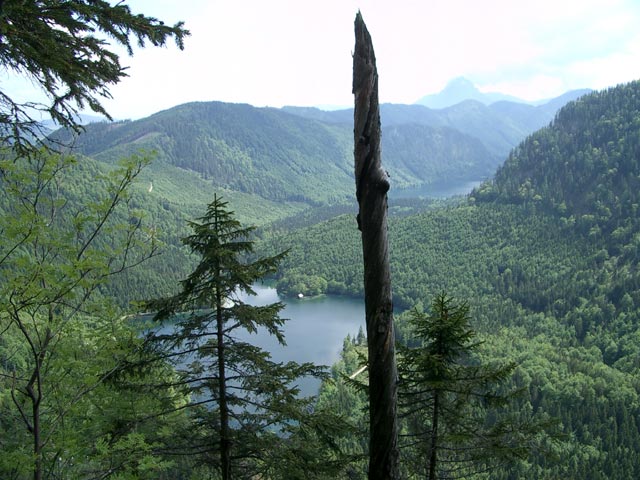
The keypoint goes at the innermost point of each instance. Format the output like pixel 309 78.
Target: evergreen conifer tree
pixel 243 402
pixel 447 397
pixel 62 48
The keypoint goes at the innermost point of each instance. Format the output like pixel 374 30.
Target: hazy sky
pixel 298 52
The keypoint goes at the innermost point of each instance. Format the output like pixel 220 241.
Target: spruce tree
pixel 242 401
pixel 448 400
pixel 65 49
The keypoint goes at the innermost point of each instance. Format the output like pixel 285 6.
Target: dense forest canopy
pixel 543 260
pixel 547 256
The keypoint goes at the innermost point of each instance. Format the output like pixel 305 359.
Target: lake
pixel 315 328
pixel 437 190
pixel 314 331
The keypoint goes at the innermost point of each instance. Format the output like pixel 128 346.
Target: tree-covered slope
pixel 585 166
pixel 238 147
pixel 417 154
pixel 304 155
pixel 548 255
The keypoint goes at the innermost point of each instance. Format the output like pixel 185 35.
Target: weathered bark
pixel 372 184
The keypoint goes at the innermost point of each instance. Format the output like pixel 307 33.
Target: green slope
pixel 548 256
pixel 302 157
pixel 237 147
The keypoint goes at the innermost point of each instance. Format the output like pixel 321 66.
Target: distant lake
pixel 314 332
pixel 438 190
pixel 315 328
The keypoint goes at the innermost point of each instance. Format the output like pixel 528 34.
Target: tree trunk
pixel 433 452
pixel 372 184
pixel 37 442
pixel 225 440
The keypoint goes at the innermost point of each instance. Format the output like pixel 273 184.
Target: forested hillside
pixel 238 147
pixel 304 155
pixel 129 262
pixel 584 168
pixel 547 255
pixel 500 126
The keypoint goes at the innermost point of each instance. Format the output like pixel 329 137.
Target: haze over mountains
pixel 460 89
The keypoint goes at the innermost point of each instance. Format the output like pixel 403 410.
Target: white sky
pixel 298 52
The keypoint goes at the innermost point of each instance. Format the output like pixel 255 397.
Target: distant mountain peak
pixel 460 89
pixel 461 86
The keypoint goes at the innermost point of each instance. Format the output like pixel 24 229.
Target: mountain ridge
pixel 460 89
pixel 303 156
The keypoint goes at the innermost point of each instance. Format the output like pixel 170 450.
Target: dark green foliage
pixel 552 285
pixel 451 403
pixel 243 404
pixel 62 48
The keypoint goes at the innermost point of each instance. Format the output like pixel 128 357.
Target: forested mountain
pixel 238 147
pixel 500 126
pixel 548 256
pixel 304 155
pixel 585 167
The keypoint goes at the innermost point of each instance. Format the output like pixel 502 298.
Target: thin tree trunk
pixel 34 392
pixel 225 441
pixel 433 452
pixel 37 443
pixel 372 184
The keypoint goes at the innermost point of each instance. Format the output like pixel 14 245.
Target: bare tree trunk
pixel 372 184
pixel 35 402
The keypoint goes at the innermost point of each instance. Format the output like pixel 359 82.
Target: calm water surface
pixel 314 332
pixel 440 190
pixel 315 328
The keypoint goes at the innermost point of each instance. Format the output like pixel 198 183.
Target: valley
pixel 543 246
